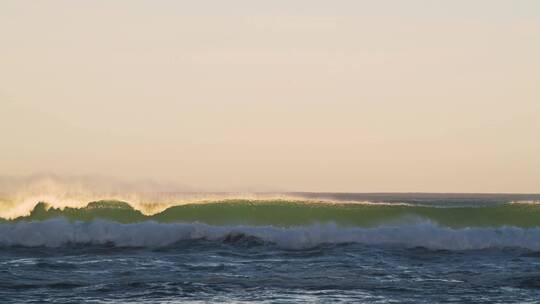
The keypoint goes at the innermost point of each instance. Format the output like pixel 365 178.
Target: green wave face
pixel 299 213
pixel 107 210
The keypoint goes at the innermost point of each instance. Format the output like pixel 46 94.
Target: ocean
pixel 305 248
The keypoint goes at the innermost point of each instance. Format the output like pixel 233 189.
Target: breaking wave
pixel 60 232
pixel 286 213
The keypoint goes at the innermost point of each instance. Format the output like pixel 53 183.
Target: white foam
pixel 57 232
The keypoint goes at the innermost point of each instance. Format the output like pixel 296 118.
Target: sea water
pixel 409 249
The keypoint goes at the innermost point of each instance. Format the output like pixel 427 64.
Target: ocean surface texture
pixel 375 248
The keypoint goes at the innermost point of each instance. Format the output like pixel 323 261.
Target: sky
pixel 295 95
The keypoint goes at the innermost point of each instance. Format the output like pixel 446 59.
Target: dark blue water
pixel 244 269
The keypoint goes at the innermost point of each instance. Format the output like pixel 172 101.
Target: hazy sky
pixel 288 95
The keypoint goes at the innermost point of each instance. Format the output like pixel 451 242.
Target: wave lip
pixel 60 232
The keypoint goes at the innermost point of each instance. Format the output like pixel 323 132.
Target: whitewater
pixel 59 232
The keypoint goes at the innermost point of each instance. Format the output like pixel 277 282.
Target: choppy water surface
pixel 275 252
pixel 242 269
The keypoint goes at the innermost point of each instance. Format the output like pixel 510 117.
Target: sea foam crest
pixel 58 232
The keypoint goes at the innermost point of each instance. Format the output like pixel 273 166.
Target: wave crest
pixel 297 213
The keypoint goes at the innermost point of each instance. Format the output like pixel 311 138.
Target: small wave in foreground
pixel 60 232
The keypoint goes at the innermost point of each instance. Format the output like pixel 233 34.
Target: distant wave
pixel 59 232
pixel 283 213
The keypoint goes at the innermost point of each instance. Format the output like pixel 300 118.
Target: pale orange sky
pixel 433 96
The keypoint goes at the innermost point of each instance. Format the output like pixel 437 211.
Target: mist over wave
pixel 19 195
